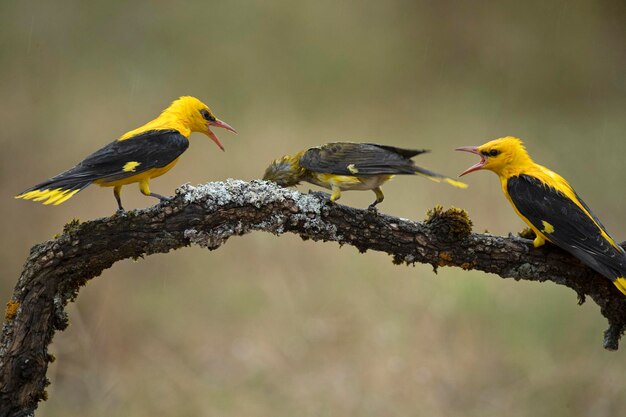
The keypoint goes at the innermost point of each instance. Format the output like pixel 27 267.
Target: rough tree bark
pixel 208 215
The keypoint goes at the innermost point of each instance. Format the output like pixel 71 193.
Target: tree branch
pixel 210 214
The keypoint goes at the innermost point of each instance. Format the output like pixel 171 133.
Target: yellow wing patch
pixel 353 169
pixel 547 227
pixel 130 166
pixel 55 197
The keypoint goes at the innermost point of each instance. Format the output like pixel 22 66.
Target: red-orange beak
pixel 477 166
pixel 223 125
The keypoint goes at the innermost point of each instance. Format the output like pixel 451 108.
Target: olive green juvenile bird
pixel 343 166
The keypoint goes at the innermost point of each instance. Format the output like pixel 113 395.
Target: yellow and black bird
pixel 551 207
pixel 137 156
pixel 342 166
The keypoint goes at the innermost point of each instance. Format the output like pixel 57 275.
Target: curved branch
pixel 210 214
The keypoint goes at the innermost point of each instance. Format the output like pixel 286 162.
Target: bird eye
pixel 494 152
pixel 207 116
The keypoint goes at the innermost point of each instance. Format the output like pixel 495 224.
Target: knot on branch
pixel 449 225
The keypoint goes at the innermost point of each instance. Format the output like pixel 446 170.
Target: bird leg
pixel 145 190
pixel 379 198
pixel 336 195
pixel 162 198
pixel 116 192
pixel 539 241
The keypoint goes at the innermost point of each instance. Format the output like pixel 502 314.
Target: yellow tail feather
pixel 66 197
pixel 450 181
pixel 455 183
pixel 54 196
pixel 48 196
pixel 620 283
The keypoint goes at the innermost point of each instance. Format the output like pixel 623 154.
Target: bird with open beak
pixel 136 157
pixel 551 207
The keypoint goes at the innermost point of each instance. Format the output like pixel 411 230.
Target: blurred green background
pixel 270 326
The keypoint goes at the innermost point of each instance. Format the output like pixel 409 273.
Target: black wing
pixel 573 230
pixel 347 158
pixel 151 149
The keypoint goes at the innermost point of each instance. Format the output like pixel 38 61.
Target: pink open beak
pixel 223 125
pixel 477 166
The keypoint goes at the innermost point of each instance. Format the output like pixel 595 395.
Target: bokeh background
pixel 269 326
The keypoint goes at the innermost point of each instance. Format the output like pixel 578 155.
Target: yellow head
pixel 285 171
pixel 505 156
pixel 197 116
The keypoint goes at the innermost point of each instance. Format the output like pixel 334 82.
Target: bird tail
pixel 438 177
pixel 620 283
pixel 55 190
